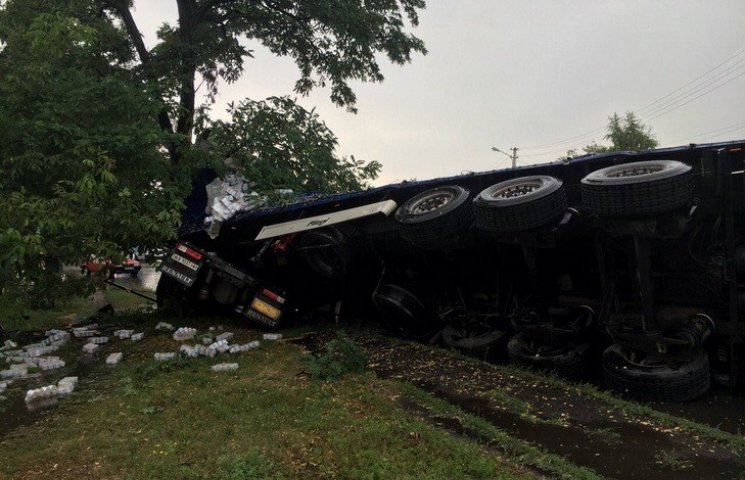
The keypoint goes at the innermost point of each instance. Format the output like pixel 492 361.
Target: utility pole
pixel 512 157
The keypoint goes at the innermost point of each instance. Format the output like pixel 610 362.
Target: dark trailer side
pixel 635 261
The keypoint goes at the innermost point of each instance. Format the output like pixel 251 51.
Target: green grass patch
pixel 268 419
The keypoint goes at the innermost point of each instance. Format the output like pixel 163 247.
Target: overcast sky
pixel 531 74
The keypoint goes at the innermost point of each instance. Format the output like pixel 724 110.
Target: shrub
pixel 342 356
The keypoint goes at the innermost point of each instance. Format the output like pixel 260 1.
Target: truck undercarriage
pixel 630 261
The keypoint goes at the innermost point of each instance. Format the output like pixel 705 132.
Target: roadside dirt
pixel 556 417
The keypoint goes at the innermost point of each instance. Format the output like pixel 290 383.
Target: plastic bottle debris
pixel 114 358
pixel 272 336
pixel 49 363
pixel 57 337
pixel 207 340
pixel 43 393
pixel 66 386
pixel 83 333
pixel 225 336
pixel 122 334
pixel 41 350
pixel 90 347
pixel 245 347
pixel 9 345
pixel 184 333
pixel 164 326
pixel 98 340
pixel 15 371
pixel 136 337
pixel 189 351
pixel 220 346
pixel 163 357
pixel 224 367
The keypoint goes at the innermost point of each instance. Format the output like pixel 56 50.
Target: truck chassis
pixel 632 262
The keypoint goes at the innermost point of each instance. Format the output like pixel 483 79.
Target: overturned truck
pixel 632 263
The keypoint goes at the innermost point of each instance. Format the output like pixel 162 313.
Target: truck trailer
pixel 631 262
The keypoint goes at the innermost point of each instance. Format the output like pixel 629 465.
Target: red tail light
pixel 189 252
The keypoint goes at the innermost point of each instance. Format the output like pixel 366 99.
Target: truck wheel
pixel 477 343
pixel 638 188
pixel 520 204
pixel 435 214
pixel 403 312
pixel 569 361
pixel 326 252
pixel 630 372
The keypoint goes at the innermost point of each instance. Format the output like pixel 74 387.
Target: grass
pixel 17 317
pixel 266 420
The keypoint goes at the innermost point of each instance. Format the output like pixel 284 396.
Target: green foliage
pixel 97 132
pixel 278 144
pixel 625 134
pixel 342 356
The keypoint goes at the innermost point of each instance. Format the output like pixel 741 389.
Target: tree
pixel 97 132
pixel 627 133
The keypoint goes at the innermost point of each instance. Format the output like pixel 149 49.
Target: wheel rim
pixel 519 190
pixel 431 202
pixel 636 171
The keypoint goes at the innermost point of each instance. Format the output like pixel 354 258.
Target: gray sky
pixel 527 74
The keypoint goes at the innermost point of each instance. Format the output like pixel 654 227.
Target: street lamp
pixel 512 157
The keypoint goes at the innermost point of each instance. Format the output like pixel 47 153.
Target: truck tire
pixel 477 343
pixel 568 361
pixel 661 382
pixel 638 188
pixel 435 214
pixel 326 252
pixel 520 204
pixel 403 313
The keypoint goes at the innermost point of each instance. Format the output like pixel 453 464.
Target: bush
pixel 342 356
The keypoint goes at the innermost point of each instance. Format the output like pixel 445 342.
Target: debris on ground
pixel 163 357
pixel 98 340
pixel 136 337
pixel 90 347
pixel 164 326
pixel 48 363
pixel 220 346
pixel 3 387
pixel 272 336
pixel 224 367
pixel 15 371
pixel 122 334
pixel 245 347
pixel 114 358
pixel 224 336
pixel 184 333
pixel 83 332
pixel 66 386
pixel 42 397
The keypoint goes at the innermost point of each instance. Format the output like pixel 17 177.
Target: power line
pixel 666 103
pixel 735 55
pixel 718 132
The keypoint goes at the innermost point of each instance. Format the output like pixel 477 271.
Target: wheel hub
pixel 516 190
pixel 432 202
pixel 635 171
